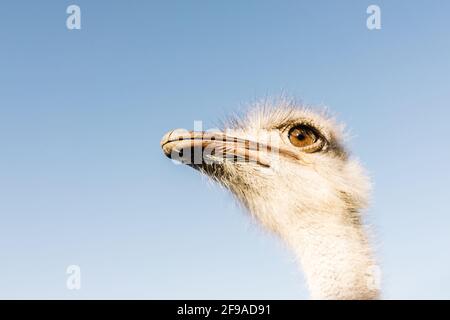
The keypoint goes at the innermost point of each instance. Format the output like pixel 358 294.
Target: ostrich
pixel 288 166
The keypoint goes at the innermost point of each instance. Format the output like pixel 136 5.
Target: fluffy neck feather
pixel 335 256
pixel 330 243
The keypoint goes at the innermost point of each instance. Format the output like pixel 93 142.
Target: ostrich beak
pixel 203 147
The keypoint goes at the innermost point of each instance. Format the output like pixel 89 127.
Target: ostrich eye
pixel 303 136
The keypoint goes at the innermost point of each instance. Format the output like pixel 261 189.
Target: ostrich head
pixel 288 166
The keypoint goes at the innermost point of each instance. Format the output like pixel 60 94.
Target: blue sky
pixel 83 180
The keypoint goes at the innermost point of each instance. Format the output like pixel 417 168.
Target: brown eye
pixel 303 136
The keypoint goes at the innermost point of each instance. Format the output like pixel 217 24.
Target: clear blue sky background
pixel 83 180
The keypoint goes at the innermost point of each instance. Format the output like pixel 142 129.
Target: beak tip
pixel 165 139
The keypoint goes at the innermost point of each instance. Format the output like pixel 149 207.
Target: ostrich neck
pixel 334 253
